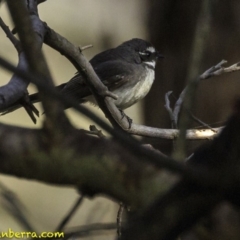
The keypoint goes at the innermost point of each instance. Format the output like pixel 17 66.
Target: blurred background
pixel 173 27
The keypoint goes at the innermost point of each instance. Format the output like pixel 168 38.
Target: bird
pixel 128 71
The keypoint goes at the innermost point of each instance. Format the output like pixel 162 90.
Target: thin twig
pixel 57 43
pixel 119 219
pixel 12 38
pixel 70 214
pixel 97 132
pixel 233 68
pixel 178 105
pixel 169 109
pixel 133 145
pixel 15 207
pixel 141 130
pixel 216 70
pixel 202 123
pixel 85 47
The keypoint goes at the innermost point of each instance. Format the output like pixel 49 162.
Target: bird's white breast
pixel 130 94
pixel 144 85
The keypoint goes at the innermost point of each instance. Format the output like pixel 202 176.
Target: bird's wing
pixel 75 89
pixel 114 73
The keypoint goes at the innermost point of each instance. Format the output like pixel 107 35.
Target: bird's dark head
pixel 142 51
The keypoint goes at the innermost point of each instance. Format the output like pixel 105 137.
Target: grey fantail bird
pixel 127 70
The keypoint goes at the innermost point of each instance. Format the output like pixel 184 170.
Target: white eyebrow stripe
pixel 151 49
pixel 143 53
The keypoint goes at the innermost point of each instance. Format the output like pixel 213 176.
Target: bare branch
pixel 91 164
pixel 216 70
pixel 194 134
pixel 85 47
pixel 208 72
pixel 62 45
pixel 70 214
pixel 31 33
pixel 169 109
pixel 15 207
pixel 11 37
pixel 11 92
pixel 219 70
pixel 171 134
pixel 203 124
pixel 130 143
pixel 93 130
pixel 16 88
pixel 99 90
pixel 119 219
pixel 190 134
pixel 219 159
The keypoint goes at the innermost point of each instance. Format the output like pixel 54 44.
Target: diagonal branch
pixel 99 90
pixel 131 144
pixel 31 33
pixel 17 87
pixel 188 201
pixel 93 165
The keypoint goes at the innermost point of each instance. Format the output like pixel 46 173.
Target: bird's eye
pixel 145 55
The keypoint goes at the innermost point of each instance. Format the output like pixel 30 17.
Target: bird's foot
pixel 29 107
pixel 110 94
pixel 127 117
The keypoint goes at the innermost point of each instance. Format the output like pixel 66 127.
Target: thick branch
pixel 93 165
pixel 171 134
pixel 99 90
pixel 130 143
pixel 31 32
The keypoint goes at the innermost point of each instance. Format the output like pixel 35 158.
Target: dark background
pixel 172 27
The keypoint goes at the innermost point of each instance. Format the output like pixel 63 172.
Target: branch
pixel 131 144
pixel 31 33
pixel 187 202
pixel 216 70
pixel 93 165
pixel 171 134
pixel 99 90
pixel 141 130
pixel 15 208
pixel 73 210
pixel 16 88
pixel 72 53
